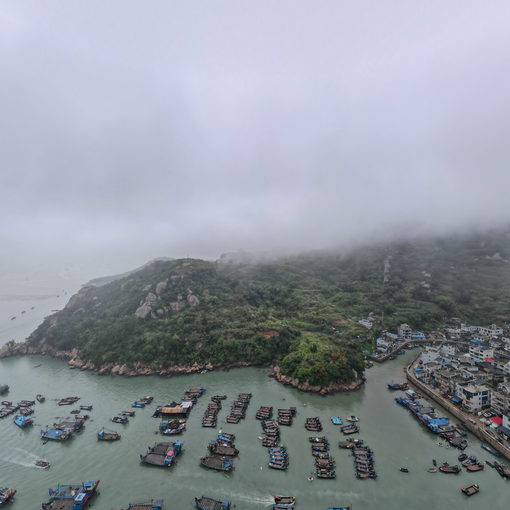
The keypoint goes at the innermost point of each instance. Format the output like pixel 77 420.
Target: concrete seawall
pixel 463 417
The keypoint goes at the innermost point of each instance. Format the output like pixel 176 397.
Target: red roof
pixel 489 360
pixel 498 420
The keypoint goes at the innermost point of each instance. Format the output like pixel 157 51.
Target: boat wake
pixel 253 498
pixel 26 459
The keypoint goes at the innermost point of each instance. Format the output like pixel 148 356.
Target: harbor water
pixel 398 440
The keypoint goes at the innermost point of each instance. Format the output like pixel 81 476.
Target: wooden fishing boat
pixel 447 468
pixel 216 462
pixel 73 497
pixel 104 435
pixel 472 489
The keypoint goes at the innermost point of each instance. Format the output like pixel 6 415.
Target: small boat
pixel 434 461
pixel 23 421
pixel 340 507
pixel 204 503
pixel 138 403
pixel 104 435
pixel 218 463
pixel 488 448
pixel 6 495
pixel 472 489
pixel 432 470
pixel 42 463
pixel 352 419
pixel 86 408
pixel 404 470
pixel 284 501
pixel 40 398
pixel 4 388
pixel 120 419
pixel 55 434
pixel 6 403
pixel 462 457
pixel 447 468
pixel 127 413
pixel 155 504
pixel 336 420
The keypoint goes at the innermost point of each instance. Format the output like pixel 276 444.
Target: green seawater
pixel 395 436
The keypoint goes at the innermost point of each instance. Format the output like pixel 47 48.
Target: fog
pixel 131 130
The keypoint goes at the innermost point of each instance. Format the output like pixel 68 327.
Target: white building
pixel 405 331
pixel 366 323
pixel 474 397
pixel 480 352
pixel 430 354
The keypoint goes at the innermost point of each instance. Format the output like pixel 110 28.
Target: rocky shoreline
pixel 321 390
pixel 139 369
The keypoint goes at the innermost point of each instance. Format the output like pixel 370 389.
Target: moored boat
pixel 72 497
pixel 336 420
pixel 217 462
pixel 40 398
pixel 490 449
pixel 55 434
pixel 4 388
pixel 472 489
pixel 104 435
pixel 162 454
pixel 450 469
pixel 23 421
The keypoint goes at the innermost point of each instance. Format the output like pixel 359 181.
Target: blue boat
pixel 4 388
pixel 138 404
pixel 155 504
pixel 336 420
pixel 55 434
pixel 72 497
pixel 490 449
pixel 340 507
pixel 23 421
pixel 162 454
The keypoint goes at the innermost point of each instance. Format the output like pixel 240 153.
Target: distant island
pixel 313 318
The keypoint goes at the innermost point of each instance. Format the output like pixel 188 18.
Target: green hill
pixel 299 312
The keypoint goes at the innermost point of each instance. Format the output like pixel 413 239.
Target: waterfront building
pixel 475 397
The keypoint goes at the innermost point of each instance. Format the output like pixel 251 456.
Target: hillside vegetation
pixel 299 312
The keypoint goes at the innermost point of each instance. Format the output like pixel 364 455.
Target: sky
pixel 131 130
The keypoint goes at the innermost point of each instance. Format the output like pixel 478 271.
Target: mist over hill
pixel 299 312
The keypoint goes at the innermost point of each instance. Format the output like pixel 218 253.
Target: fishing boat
pixel 71 497
pixel 447 468
pixel 336 420
pixel 172 427
pixel 340 507
pixel 6 403
pixel 204 503
pixel 352 419
pixel 138 404
pixel 398 386
pixel 162 454
pixel 44 464
pixel 40 398
pixel 104 435
pixel 4 388
pixel 218 463
pixel 472 489
pixel 55 434
pixel 284 501
pixel 404 470
pixel 120 419
pixel 490 449
pixel 23 421
pixel 155 504
pixel 86 408
pixel 6 495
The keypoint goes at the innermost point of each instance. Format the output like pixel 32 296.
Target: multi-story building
pixel 480 352
pixel 405 332
pixel 475 397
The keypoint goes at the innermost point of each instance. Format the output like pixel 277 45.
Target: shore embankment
pixel 470 422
